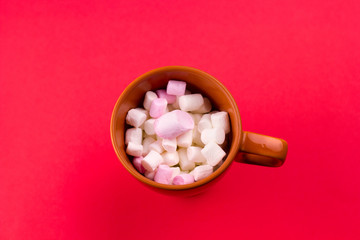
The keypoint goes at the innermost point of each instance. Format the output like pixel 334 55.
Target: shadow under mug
pixel 243 146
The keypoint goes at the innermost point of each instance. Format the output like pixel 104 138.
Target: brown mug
pixel 246 147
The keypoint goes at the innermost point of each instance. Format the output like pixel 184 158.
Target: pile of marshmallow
pixel 175 139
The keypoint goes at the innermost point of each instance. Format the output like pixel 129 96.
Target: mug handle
pixel 262 150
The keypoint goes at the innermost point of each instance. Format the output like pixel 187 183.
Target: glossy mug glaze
pixel 243 146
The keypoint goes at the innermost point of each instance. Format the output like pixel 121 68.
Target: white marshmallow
pixel 213 153
pixel 135 117
pixel 197 137
pixel 183 179
pixel 196 117
pixel 176 171
pixel 170 158
pixel 205 122
pixel 149 126
pixel 205 108
pixel 172 124
pixel 185 139
pixel 157 146
pixel 150 175
pixel 201 172
pixel 213 135
pixel 146 145
pixel 133 135
pixel 184 162
pixel 169 145
pixel 134 149
pixel 151 161
pixel 149 97
pixel 163 174
pixel 191 102
pixel 194 155
pixel 221 120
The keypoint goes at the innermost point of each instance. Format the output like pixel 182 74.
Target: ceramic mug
pixel 244 146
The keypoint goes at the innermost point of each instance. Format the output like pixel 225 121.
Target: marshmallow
pixel 135 117
pixel 134 149
pixel 176 171
pixel 183 179
pixel 163 174
pixel 197 137
pixel 205 122
pixel 175 87
pixel 146 145
pixel 157 146
pixel 169 145
pixel 221 120
pixel 169 98
pixel 194 155
pixel 213 153
pixel 151 161
pixel 170 158
pixel 196 117
pixel 201 172
pixel 149 126
pixel 133 135
pixel 184 162
pixel 150 175
pixel 191 102
pixel 158 107
pixel 205 107
pixel 172 124
pixel 149 97
pixel 185 139
pixel 137 164
pixel 213 135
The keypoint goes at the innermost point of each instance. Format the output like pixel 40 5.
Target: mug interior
pixel 197 82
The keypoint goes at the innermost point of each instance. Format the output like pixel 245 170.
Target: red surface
pixel 292 66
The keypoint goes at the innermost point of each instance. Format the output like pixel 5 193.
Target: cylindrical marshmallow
pixel 134 149
pixel 149 97
pixel 158 107
pixel 149 126
pixel 183 179
pixel 216 135
pixel 176 171
pixel 213 153
pixel 191 102
pixel 135 117
pixel 196 117
pixel 169 145
pixel 133 135
pixel 150 175
pixel 184 162
pixel 146 145
pixel 172 124
pixel 194 155
pixel 169 98
pixel 175 87
pixel 151 161
pixel 205 108
pixel 205 122
pixel 201 172
pixel 157 146
pixel 163 174
pixel 197 137
pixel 185 140
pixel 137 164
pixel 170 158
pixel 221 120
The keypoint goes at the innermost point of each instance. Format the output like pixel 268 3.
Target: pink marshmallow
pixel 163 174
pixel 158 107
pixel 175 87
pixel 183 179
pixel 137 164
pixel 169 98
pixel 172 124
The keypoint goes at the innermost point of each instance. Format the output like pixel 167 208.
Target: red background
pixel 292 66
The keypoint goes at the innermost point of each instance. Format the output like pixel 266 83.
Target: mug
pixel 243 146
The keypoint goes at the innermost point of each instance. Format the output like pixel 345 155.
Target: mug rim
pixel 235 141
